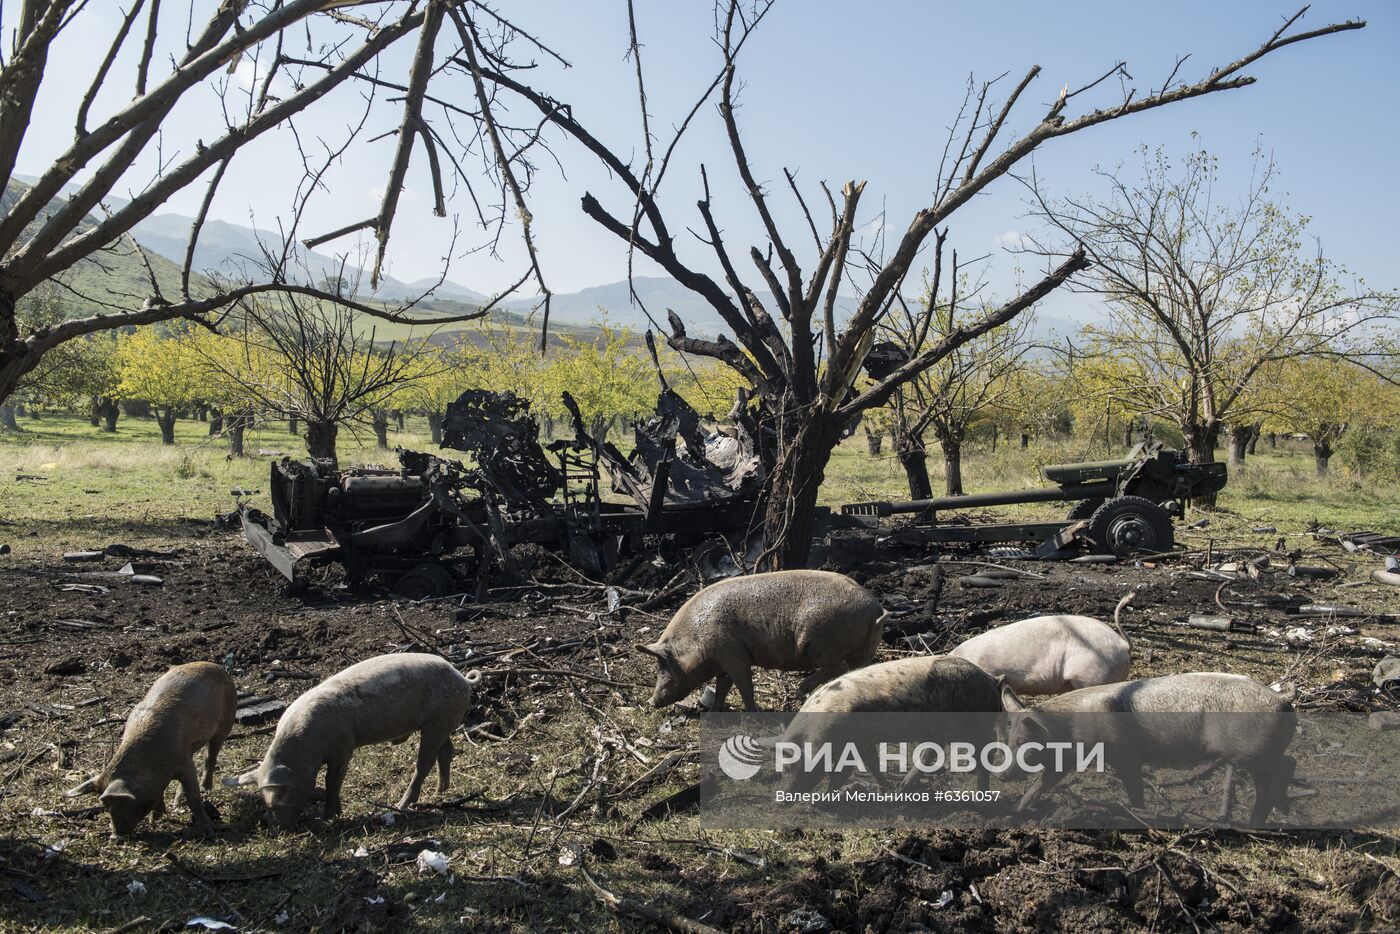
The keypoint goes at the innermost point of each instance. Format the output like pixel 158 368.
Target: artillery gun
pixel 1122 507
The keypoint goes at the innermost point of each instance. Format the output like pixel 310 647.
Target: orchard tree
pixel 311 361
pixel 968 383
pixel 440 376
pixel 1322 397
pixel 1033 404
pixel 160 370
pixel 1205 294
pixel 609 377
pixel 801 365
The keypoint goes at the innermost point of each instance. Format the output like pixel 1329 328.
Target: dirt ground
pixel 565 755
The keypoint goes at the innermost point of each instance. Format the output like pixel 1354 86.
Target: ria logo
pixel 740 757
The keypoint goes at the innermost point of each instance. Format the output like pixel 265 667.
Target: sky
pixel 833 91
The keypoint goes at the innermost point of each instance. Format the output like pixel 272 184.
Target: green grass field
pixel 91 479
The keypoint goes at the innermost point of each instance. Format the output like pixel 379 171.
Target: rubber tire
pixel 425 580
pixel 1084 509
pixel 1159 537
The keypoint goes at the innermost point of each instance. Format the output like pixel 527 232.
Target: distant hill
pixel 227 247
pixel 116 276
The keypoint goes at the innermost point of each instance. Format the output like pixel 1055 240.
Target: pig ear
pixel 116 790
pixel 1009 701
pixel 89 787
pixel 247 778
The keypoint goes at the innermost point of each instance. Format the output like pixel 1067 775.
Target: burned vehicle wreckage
pixel 436 526
pixel 691 492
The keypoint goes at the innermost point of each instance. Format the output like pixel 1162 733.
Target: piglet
pixel 815 621
pixel 188 707
pixel 384 699
pixel 1050 654
pixel 1176 721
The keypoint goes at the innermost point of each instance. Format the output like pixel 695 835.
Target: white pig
pixel 385 699
pixel 1050 654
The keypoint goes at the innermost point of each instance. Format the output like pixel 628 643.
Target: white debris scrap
pixel 135 888
pixel 432 860
pixel 1298 635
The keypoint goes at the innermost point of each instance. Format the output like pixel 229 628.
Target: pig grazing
pixel 786 620
pixel 383 699
pixel 1050 654
pixel 188 707
pixel 923 684
pixel 1229 718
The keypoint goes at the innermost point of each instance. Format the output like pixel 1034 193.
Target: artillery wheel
pixel 1128 525
pixel 425 580
pixel 1084 509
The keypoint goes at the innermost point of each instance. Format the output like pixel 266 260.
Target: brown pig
pixel 815 621
pixel 190 706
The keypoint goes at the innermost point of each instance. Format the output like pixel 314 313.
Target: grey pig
pixel 188 707
pixel 923 684
pixel 383 699
pixel 1147 729
pixel 785 620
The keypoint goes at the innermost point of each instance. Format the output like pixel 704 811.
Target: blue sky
pixel 837 91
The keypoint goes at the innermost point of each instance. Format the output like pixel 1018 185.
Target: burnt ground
pixel 565 756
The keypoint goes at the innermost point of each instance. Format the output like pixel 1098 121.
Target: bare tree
pixel 292 358
pixel 972 379
pixel 800 362
pixel 67 217
pixel 1205 294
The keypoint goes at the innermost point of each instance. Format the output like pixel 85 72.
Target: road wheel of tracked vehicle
pixel 425 580
pixel 1129 525
pixel 1084 509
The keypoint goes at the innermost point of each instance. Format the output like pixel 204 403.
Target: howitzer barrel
pixel 1075 491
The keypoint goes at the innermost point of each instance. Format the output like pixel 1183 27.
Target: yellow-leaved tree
pixel 162 370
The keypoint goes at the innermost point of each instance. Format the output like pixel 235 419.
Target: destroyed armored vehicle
pixel 1122 507
pixel 435 526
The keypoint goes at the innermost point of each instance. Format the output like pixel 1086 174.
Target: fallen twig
pixel 626 906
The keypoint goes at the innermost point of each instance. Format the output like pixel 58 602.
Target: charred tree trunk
pixel 952 464
pixel 435 427
pixel 1201 441
pixel 320 440
pixel 1128 434
pixel 1255 431
pixel 874 441
pixel 165 418
pixel 380 421
pixel 1322 457
pixel 235 426
pixel 913 457
pixel 110 412
pixel 792 494
pixel 1239 444
pixel 7 417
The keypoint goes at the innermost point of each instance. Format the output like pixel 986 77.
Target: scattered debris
pixel 209 924
pixel 77 556
pixel 72 665
pixel 136 888
pixel 254 711
pixel 432 861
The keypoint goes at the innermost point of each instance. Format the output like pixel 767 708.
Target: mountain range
pixel 227 247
